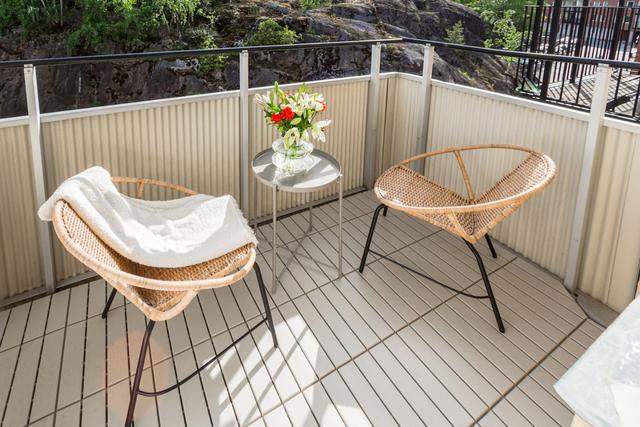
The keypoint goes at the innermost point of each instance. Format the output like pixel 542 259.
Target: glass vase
pixel 293 159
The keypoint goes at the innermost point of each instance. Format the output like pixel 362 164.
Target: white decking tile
pixel 386 347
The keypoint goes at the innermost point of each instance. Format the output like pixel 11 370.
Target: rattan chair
pixel 470 217
pixel 160 293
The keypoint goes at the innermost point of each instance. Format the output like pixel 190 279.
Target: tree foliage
pixel 504 20
pixel 505 35
pixel 128 24
pixel 491 10
pixel 121 24
pixel 31 15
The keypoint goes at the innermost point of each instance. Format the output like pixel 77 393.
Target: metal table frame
pixel 287 183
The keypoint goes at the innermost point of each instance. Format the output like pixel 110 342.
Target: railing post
pixel 551 47
pixel 592 142
pixel 371 136
pixel 535 35
pixel 39 177
pixel 617 29
pixel 244 132
pixel 582 26
pixel 424 105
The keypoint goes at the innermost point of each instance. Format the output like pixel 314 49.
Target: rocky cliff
pixel 78 86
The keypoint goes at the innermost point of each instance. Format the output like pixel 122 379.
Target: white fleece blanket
pixel 174 233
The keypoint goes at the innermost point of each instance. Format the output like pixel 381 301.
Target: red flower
pixel 276 118
pixel 288 113
pixel 324 106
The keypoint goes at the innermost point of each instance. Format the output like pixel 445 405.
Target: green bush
pixel 455 34
pixel 505 35
pixel 127 24
pixel 313 4
pixel 202 38
pixel 270 32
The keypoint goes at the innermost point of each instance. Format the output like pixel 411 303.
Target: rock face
pixel 78 86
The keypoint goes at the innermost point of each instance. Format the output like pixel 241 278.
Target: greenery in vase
pixel 294 114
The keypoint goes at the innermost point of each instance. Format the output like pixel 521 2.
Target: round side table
pixel 325 170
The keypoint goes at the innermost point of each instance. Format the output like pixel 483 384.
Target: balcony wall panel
pixel 403 119
pixel 609 270
pixel 20 263
pixel 463 116
pixel 347 101
pixel 195 144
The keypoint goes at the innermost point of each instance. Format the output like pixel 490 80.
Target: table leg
pixel 310 204
pixel 274 244
pixel 255 206
pixel 340 227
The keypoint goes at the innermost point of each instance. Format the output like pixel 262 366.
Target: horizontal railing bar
pixel 319 45
pixel 527 55
pixel 14 121
pixel 190 52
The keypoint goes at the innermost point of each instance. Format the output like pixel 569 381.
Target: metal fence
pixel 609 33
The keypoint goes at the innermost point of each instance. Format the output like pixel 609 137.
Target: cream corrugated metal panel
pixel 20 263
pixel 194 144
pixel 385 126
pixel 347 103
pixel 609 268
pixel 405 119
pixel 386 129
pixel 540 229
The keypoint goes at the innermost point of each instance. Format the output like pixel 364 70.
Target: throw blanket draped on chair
pixel 169 234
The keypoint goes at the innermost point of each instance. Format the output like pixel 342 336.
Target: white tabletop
pixel 325 170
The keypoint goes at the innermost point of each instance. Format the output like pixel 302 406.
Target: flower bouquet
pixel 293 115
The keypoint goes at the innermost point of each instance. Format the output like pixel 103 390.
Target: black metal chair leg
pixel 384 212
pixel 140 368
pixel 367 246
pixel 265 301
pixel 487 285
pixel 491 248
pixel 109 302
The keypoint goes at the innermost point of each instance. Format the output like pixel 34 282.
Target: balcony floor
pixel 382 348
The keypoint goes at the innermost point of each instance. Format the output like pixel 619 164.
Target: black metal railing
pixel 174 54
pixel 624 93
pixel 601 33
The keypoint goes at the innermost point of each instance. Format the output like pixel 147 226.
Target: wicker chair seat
pixel 471 216
pixel 160 293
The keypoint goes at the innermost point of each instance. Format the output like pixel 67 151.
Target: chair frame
pixel 118 277
pixel 507 205
pixel 478 257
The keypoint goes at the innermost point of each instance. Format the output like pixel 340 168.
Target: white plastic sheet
pixel 603 386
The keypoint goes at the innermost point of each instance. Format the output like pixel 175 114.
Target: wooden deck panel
pixel 581 92
pixel 383 348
